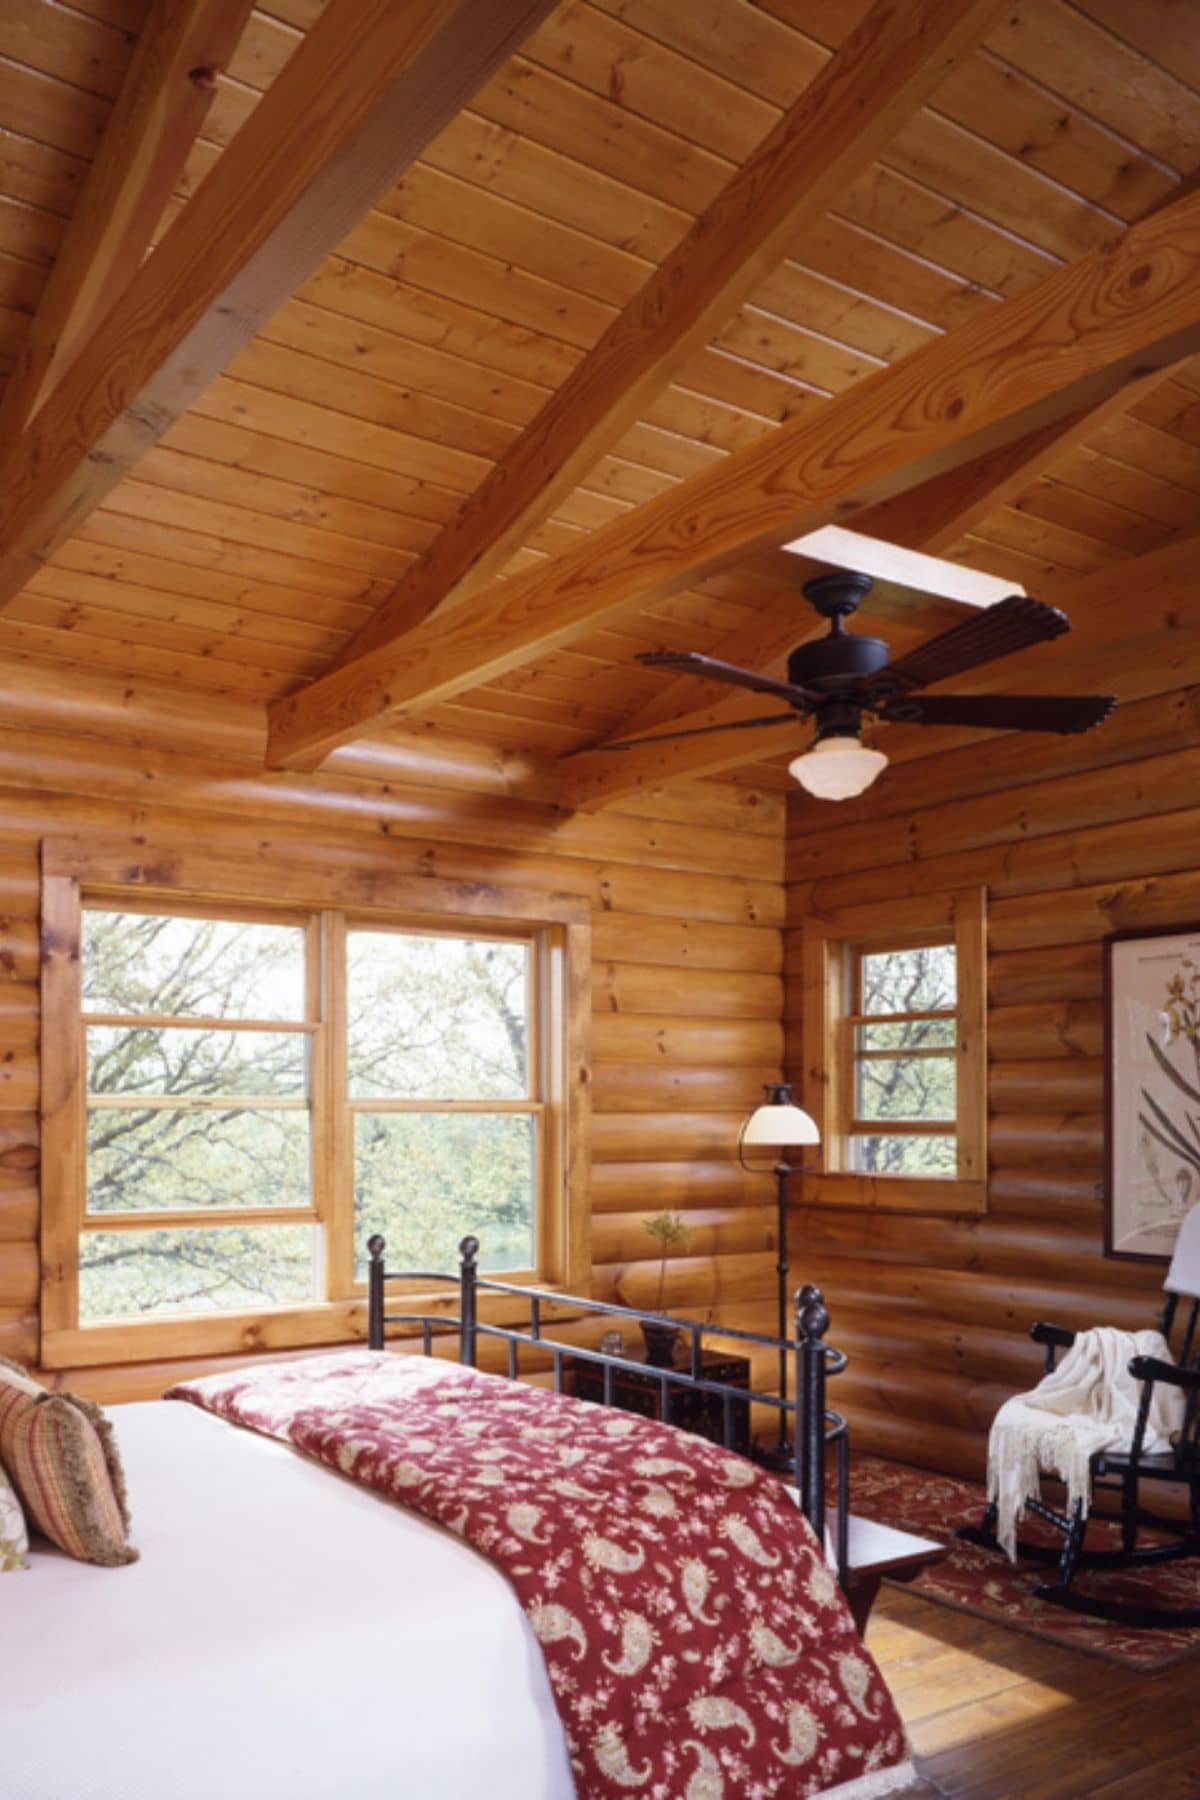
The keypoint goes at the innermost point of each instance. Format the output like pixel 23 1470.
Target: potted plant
pixel 669 1232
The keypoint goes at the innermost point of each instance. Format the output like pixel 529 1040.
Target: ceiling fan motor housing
pixel 837 660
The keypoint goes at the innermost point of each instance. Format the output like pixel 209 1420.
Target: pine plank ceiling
pixel 246 549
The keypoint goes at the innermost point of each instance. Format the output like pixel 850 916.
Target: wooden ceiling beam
pixel 1079 335
pixel 364 93
pixel 168 88
pixel 883 73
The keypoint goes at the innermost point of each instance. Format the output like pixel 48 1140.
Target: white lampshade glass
pixel 838 768
pixel 780 1125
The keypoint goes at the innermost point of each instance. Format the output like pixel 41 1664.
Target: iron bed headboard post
pixel 375 1249
pixel 468 1278
pixel 812 1322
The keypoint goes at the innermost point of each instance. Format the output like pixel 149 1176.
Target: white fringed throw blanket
pixel 1088 1403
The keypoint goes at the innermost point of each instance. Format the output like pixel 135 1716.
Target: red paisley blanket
pixel 697 1646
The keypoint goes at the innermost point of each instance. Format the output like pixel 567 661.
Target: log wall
pixel 688 902
pixel 1072 840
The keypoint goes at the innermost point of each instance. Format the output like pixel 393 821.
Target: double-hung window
pixel 894 1031
pixel 237 1097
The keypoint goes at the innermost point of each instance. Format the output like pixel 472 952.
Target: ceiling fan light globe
pixel 837 768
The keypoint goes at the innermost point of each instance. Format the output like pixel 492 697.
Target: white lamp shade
pixel 838 768
pixel 779 1125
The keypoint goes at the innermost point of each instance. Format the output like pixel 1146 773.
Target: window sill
pixel 894 1193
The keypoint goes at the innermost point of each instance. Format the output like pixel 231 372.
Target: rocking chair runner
pixel 1128 1469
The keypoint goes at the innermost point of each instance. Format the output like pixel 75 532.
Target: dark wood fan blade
pixel 1004 712
pixel 1012 624
pixel 691 662
pixel 667 737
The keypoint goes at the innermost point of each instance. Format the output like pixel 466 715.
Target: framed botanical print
pixel 1152 1075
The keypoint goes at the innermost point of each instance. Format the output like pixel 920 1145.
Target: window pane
pixel 904 1155
pixel 132 1273
pixel 912 1087
pixel 146 1158
pixel 909 1034
pixel 427 1179
pixel 212 968
pixel 436 1018
pixel 917 980
pixel 175 1060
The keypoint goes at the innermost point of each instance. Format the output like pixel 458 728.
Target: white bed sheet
pixel 285 1636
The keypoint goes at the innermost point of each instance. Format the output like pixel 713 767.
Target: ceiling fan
pixel 843 678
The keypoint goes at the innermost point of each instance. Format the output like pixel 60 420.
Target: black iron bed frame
pixel 816 1426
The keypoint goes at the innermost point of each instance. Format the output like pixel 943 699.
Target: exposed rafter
pixel 1082 333
pixel 168 88
pixel 366 90
pixel 883 73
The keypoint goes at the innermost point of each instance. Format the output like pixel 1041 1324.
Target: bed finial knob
pixel 468 1249
pixel 376 1246
pixel 812 1315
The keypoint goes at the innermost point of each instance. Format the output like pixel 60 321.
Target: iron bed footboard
pixel 816 1426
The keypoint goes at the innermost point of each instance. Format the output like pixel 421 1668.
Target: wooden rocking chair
pixel 1123 1472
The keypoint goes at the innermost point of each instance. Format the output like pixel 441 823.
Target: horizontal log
pixel 620 1186
pixel 699 993
pixel 1073 1028
pixel 889 1390
pixel 686 943
pixel 19 1337
pixel 626 1137
pixel 693 1286
pixel 622 1237
pixel 1058 972
pixel 973 1297
pixel 709 803
pixel 19 1275
pixel 20 1140
pixel 220 789
pixel 278 864
pixel 1057 1248
pixel 1087 914
pixel 1126 849
pixel 1073 804
pixel 1063 1084
pixel 19 1211
pixel 631 1038
pixel 1054 1139
pixel 891 1333
pixel 19 958
pixel 642 1087
pixel 20 1079
pixel 1034 1192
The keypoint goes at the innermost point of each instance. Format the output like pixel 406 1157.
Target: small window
pixel 894 1036
pixel 904 1020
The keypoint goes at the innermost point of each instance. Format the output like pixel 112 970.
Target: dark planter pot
pixel 660 1341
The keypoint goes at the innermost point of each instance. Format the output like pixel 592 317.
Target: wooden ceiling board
pixel 352 428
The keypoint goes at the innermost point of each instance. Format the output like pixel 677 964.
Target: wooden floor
pixel 995 1715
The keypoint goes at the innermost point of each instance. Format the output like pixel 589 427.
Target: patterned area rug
pixel 983 1582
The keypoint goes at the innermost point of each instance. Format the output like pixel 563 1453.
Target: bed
pixel 285 1632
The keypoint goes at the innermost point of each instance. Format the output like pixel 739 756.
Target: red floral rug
pixel 983 1582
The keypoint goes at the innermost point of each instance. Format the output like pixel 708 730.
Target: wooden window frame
pixel 829 943
pixel 122 873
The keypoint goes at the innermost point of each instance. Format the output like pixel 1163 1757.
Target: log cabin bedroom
pixel 599 899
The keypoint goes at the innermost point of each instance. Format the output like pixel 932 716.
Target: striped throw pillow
pixel 61 1456
pixel 14 1539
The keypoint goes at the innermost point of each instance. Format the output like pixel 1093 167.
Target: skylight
pixel 910 568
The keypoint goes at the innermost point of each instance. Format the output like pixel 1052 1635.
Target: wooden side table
pixel 876 1550
pixel 636 1387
